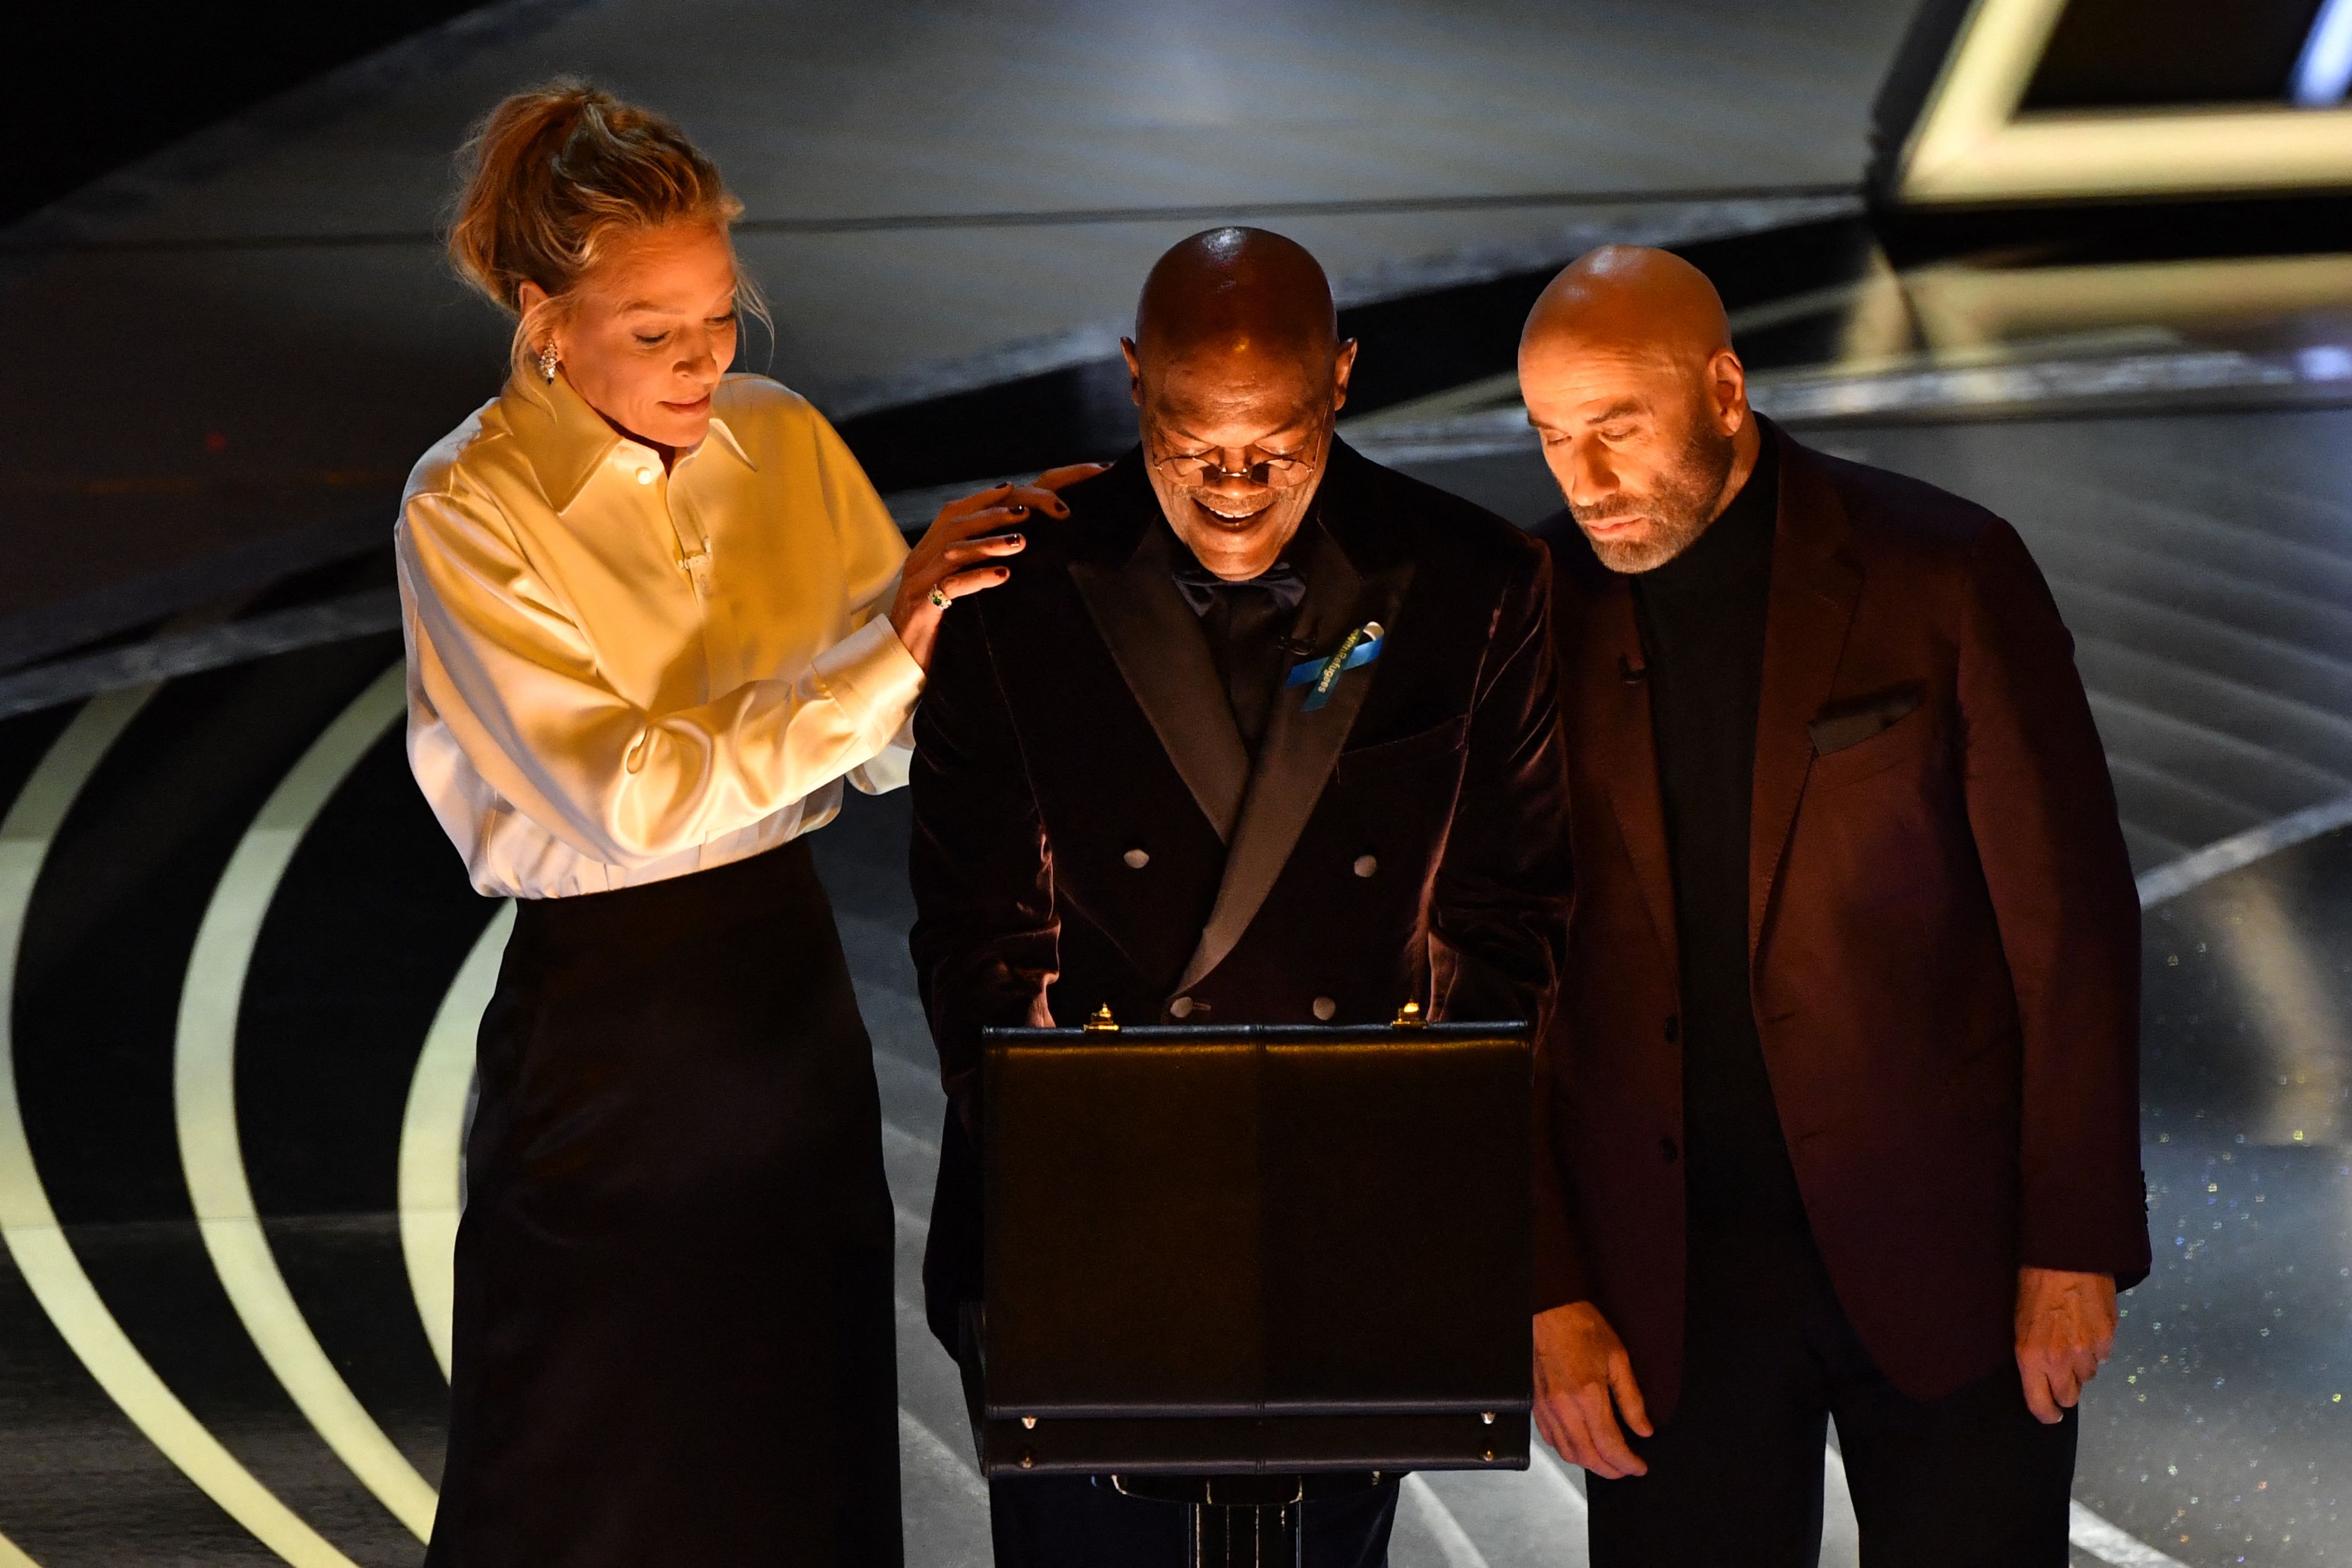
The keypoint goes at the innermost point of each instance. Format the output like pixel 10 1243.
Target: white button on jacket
pixel 613 681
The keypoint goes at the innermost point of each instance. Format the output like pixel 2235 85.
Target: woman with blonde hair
pixel 655 615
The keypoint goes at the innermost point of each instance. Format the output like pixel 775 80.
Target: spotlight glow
pixel 2323 77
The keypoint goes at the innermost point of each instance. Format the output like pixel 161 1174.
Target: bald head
pixel 1238 372
pixel 1630 295
pixel 1628 373
pixel 1238 291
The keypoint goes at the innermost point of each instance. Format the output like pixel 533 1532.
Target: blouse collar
pixel 568 442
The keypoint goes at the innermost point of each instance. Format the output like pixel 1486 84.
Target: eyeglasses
pixel 1275 473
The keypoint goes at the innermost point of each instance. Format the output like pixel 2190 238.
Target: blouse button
pixel 1325 1008
pixel 1366 865
pixel 645 476
pixel 1137 858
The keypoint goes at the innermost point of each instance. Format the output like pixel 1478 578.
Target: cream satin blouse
pixel 618 675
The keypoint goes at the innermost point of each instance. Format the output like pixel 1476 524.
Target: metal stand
pixel 1247 1535
pixel 1246 1522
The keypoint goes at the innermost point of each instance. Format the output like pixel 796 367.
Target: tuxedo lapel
pixel 1157 642
pixel 1815 587
pixel 1620 700
pixel 1295 759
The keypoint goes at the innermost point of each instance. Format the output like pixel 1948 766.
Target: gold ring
pixel 939 597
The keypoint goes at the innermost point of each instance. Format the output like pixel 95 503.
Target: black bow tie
pixel 1200 585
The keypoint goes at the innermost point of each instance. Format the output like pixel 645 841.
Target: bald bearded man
pixel 1845 1069
pixel 1261 733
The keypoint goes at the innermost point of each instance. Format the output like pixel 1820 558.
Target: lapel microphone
pixel 1631 673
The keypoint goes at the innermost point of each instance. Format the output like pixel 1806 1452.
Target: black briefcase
pixel 1254 1251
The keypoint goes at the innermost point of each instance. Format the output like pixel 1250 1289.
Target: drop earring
pixel 548 360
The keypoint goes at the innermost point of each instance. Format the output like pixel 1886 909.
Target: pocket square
pixel 1854 720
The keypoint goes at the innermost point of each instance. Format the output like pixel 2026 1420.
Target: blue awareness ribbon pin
pixel 1360 647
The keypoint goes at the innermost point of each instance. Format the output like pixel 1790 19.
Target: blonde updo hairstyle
pixel 554 177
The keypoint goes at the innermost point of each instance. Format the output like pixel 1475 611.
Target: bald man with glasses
pixel 1260 733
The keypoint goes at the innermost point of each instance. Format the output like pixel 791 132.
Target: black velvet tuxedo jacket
pixel 1089 829
pixel 1943 936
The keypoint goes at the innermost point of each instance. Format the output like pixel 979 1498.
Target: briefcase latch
pixel 1102 1023
pixel 1409 1017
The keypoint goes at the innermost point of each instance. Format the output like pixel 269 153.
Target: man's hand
pixel 2065 1328
pixel 1580 1364
pixel 952 559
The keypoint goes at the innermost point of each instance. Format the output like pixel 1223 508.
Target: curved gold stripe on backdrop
pixel 29 1226
pixel 205 1096
pixel 1972 143
pixel 12 1556
pixel 433 1134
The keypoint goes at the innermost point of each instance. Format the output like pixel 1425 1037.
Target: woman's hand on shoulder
pixel 964 551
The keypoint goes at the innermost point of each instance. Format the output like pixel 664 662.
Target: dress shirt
pixel 618 673
pixel 1702 618
pixel 1248 622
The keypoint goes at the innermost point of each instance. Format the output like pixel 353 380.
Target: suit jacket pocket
pixel 1870 741
pixel 1851 721
pixel 1436 743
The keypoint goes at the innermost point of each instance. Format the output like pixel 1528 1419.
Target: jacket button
pixel 1137 859
pixel 1366 865
pixel 1181 1007
pixel 1673 1030
pixel 1667 1150
pixel 1325 1007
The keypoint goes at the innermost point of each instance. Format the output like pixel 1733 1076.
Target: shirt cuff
pixel 874 678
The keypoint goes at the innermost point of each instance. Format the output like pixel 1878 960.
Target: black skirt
pixel 674 1331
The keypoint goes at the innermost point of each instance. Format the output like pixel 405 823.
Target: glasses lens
pixel 1276 473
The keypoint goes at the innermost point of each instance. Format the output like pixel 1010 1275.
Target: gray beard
pixel 1669 539
pixel 1680 513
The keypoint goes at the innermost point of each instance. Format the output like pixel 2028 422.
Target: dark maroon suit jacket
pixel 1944 936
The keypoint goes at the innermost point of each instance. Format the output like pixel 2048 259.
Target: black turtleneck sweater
pixel 1702 620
